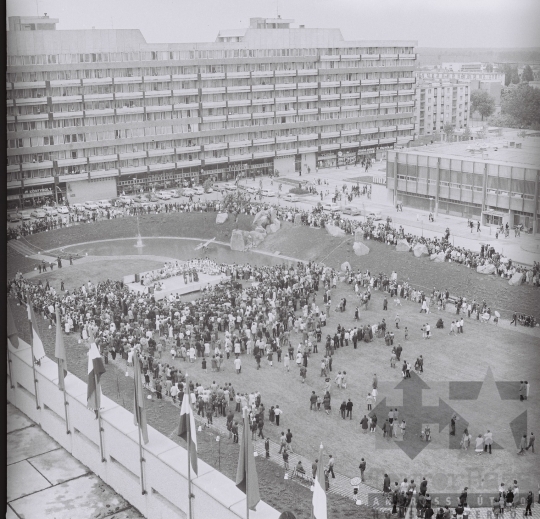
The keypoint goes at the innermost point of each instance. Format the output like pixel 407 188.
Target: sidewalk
pixel 45 481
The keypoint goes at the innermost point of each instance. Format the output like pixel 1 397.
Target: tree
pixel 489 67
pixel 482 103
pixel 448 130
pixel 467 134
pixel 522 103
pixel 527 74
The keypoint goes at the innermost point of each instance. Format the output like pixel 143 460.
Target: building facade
pixel 438 74
pixel 438 103
pixel 96 112
pixel 460 180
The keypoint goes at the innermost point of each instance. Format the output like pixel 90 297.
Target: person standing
pixel 342 409
pixel 282 442
pixel 350 408
pixel 364 423
pixel 531 442
pixel 238 365
pixel 362 468
pixel 277 412
pixel 528 503
pixel 523 444
pixel 330 467
pixel 288 438
pixel 313 401
pixel 286 460
pixel 488 441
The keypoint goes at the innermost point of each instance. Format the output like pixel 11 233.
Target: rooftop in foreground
pixel 492 149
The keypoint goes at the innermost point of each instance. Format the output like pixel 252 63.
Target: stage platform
pixel 174 285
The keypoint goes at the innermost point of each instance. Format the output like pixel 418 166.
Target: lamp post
pixel 218 439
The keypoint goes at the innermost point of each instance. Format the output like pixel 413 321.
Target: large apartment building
pixel 438 103
pixel 91 113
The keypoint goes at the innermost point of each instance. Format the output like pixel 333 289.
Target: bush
pixel 298 191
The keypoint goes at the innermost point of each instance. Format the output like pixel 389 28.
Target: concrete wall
pixel 89 190
pixel 165 467
pixel 285 165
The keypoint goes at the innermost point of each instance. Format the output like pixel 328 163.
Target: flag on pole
pixel 139 412
pixel 187 420
pixel 60 351
pixel 12 333
pixel 319 492
pixel 246 473
pixel 37 344
pixel 95 370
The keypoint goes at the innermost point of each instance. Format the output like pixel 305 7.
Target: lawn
pixel 452 364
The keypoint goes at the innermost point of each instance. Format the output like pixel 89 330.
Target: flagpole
pixel 66 403
pixel 190 495
pixel 246 453
pixel 139 425
pixel 9 370
pixel 98 412
pixel 29 302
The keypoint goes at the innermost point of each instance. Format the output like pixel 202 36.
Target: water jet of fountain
pixel 139 243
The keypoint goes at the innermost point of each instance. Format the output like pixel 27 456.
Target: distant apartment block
pixel 92 113
pixel 438 103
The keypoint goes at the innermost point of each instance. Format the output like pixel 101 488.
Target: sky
pixel 433 23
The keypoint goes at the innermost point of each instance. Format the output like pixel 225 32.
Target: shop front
pixel 327 160
pixel 36 196
pixel 347 158
pixel 494 218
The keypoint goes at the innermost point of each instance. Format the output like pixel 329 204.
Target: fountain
pixel 139 243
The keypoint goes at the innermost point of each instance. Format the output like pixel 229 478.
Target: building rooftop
pixel 496 150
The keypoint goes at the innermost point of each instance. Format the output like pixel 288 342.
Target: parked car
pixel 209 190
pixel 25 215
pixel 63 209
pixel 50 211
pixel 267 192
pixel 229 187
pixel 14 217
pixel 375 215
pixel 38 213
pixel 174 193
pixel 199 190
pixel 164 195
pixel 352 210
pixel 330 207
pixel 104 204
pixel 91 206
pixel 188 191
pixel 290 197
pixel 124 200
pixel 154 198
pixel 78 207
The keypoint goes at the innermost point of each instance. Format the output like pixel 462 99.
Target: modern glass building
pixel 91 113
pixel 495 182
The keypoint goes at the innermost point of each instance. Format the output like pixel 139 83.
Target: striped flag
pixel 246 473
pixel 60 351
pixel 139 412
pixel 319 510
pixel 37 344
pixel 187 420
pixel 12 333
pixel 95 370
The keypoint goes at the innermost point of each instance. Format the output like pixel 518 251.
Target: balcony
pixel 72 162
pixel 387 128
pixel 365 131
pixel 98 113
pixel 55 83
pixel 345 145
pixel 140 154
pixel 188 149
pixel 127 80
pixel 286 151
pixel 67 99
pixel 104 97
pixel 159 108
pixel 68 115
pixel 350 57
pixel 354 95
pixel 239 144
pixel 390 104
pixel 370 142
pixel 214 104
pixel 389 81
pixel 308 137
pixel 348 108
pixel 285 113
pixel 387 140
pixel 308 149
pixel 263 73
pixel 263 88
pixel 215 90
pixel 188 163
pixel 185 92
pixel 330 146
pixel 262 115
pixel 307 72
pixel 369 82
pixel 98 81
pixel 405 92
pixel 405 103
pixel 242 88
pixel 345 133
pixel 365 95
pixel 285 86
pixel 32 84
pixel 329 57
pixel 28 101
pixel 329 84
pixel 350 83
pixel 307 99
pixel 369 56
pixel 238 75
pixel 237 117
pixel 287 138
pixel 285 100
pixel 216 160
pixel 157 93
pixel 407 56
pixel 264 101
pixel 263 154
pixel 186 106
pixel 308 111
pixel 329 97
pixel 159 152
pixel 214 118
pixel 184 77
pixel 387 93
pixel 329 109
pixel 308 85
pixel 286 73
pixel 215 146
pixel 369 106
pixel 239 102
pixel 213 75
pixel 406 80
pixel 389 56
